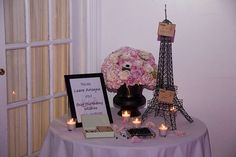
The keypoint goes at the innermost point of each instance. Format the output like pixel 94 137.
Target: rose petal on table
pixel 121 128
pixel 115 127
pixel 150 124
pixel 135 139
pixel 180 133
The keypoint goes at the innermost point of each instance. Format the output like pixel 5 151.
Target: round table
pixel 190 140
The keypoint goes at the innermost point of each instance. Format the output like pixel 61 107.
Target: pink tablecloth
pixel 60 142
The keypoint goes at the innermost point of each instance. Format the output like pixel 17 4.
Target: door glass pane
pixel 40 71
pixel 40 123
pixel 60 107
pixel 39 20
pixel 16 75
pixel 61 66
pixel 17 132
pixel 14 21
pixel 61 20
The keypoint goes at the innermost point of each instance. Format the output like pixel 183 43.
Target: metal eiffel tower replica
pixel 165 102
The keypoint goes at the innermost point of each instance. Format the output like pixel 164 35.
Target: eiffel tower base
pixel 163 110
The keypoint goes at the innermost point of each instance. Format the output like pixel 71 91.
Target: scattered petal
pixel 135 139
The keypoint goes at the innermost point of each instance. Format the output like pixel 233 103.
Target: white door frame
pixel 3 93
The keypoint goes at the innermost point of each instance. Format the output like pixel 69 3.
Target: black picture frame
pixel 87 95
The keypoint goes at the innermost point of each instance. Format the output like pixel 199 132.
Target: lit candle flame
pixel 163 127
pixel 137 121
pixel 71 124
pixel 71 121
pixel 173 109
pixel 125 114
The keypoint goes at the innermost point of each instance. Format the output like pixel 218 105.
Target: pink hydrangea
pixel 129 66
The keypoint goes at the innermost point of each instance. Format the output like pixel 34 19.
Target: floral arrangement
pixel 129 66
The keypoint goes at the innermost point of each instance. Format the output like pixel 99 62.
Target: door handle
pixel 2 71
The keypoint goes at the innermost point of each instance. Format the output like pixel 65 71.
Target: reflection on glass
pixel 60 107
pixel 40 71
pixel 40 123
pixel 61 19
pixel 14 21
pixel 39 20
pixel 17 131
pixel 61 66
pixel 13 93
pixel 16 75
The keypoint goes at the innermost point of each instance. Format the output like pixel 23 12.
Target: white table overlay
pixel 195 142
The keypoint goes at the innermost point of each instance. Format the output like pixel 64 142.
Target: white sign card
pixel 87 95
pixel 166 96
pixel 165 29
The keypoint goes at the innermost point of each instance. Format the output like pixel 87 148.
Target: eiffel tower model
pixel 165 102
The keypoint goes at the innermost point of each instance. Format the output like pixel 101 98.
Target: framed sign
pixel 87 95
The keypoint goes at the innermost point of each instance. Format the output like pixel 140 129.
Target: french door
pixel 35 53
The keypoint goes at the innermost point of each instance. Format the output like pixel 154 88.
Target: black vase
pixel 129 98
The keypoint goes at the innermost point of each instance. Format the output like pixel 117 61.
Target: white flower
pixel 144 55
pixel 125 56
pixel 111 76
pixel 124 75
pixel 114 58
pixel 139 63
pixel 148 68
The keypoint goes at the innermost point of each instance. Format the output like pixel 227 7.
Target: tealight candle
pixel 125 115
pixel 137 122
pixel 173 109
pixel 71 124
pixel 163 130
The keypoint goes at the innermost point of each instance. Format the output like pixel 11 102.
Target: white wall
pixel 204 54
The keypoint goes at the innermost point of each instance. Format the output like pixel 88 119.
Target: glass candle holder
pixel 163 130
pixel 137 121
pixel 125 116
pixel 71 124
